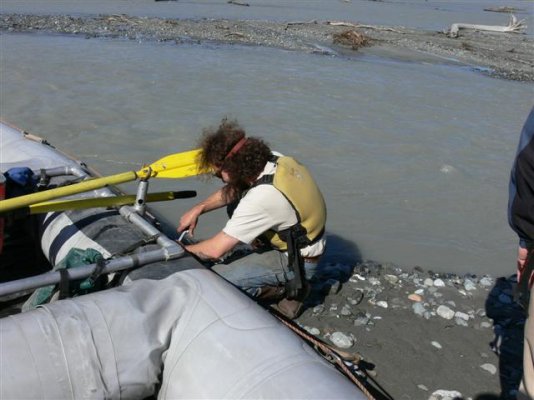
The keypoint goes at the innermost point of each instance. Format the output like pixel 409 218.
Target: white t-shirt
pixel 262 208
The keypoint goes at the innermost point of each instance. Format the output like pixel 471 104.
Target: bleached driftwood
pixel 349 25
pixel 313 21
pixel 503 9
pixel 341 23
pixel 514 26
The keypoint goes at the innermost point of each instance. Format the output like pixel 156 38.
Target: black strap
pixel 97 272
pixel 266 179
pixel 139 243
pixel 64 284
pixel 295 288
pixel 44 180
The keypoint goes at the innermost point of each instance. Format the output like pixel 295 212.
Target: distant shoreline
pixel 500 55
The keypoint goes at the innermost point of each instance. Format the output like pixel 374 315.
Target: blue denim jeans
pixel 255 270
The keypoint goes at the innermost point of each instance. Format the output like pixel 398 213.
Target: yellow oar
pixel 179 165
pixel 112 201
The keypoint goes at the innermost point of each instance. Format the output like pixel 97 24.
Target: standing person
pixel 279 211
pixel 521 218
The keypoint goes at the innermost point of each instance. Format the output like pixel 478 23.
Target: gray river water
pixel 413 156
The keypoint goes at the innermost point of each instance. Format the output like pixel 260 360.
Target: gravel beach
pixel 428 335
pixel 507 55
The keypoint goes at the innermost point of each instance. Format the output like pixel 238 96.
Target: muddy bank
pixel 503 55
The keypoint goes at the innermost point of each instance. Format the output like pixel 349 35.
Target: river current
pixel 413 154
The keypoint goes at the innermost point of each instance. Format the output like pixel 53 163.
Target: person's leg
pixel 255 270
pixel 526 390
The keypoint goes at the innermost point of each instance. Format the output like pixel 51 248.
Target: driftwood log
pixel 514 26
pixel 348 24
pixel 504 9
pixel 238 3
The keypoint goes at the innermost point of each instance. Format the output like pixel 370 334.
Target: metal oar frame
pixel 169 250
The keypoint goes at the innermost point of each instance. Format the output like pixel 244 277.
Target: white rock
pixel 359 277
pixel 492 369
pixel 423 387
pixel 374 281
pixel 461 322
pixel 436 345
pixel 420 292
pixel 315 331
pixel 361 320
pixel 445 312
pixel 418 308
pixel 485 324
pixel 445 395
pixel 391 279
pixel 318 309
pixel 469 285
pixel 486 281
pixel 428 282
pixel 439 283
pixel 382 303
pixel 461 315
pixel 345 311
pixel 341 340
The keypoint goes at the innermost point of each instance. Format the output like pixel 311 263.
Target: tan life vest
pixel 295 182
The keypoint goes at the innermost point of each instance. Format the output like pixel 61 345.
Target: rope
pixel 336 357
pixel 134 246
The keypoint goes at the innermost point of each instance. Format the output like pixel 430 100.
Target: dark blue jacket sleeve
pixel 521 189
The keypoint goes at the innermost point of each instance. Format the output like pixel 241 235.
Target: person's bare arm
pixel 213 248
pixel 190 219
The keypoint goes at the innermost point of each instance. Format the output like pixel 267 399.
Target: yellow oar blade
pixel 180 165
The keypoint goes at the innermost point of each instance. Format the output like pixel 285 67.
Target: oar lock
pixel 146 173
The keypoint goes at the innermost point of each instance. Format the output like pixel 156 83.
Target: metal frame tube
pixel 170 246
pixel 51 278
pixel 140 200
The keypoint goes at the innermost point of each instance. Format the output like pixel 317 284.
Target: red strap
pixel 236 148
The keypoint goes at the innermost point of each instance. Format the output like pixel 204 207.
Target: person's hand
pixel 189 220
pixel 522 254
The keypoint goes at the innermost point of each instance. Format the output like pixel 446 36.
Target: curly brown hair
pixel 243 167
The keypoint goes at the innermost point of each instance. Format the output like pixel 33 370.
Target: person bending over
pixel 275 207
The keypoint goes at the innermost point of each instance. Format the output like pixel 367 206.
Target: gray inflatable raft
pixel 174 329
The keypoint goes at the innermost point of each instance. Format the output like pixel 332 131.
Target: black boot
pixel 293 308
pixel 271 294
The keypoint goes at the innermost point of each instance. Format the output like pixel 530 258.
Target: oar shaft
pixel 112 201
pixel 85 186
